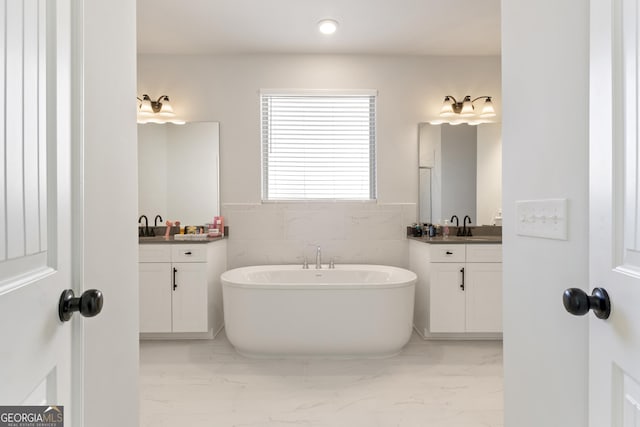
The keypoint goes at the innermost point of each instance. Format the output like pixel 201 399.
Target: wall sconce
pixel 159 111
pixel 464 112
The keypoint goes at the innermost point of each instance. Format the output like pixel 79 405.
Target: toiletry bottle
pixel 432 231
pixel 445 229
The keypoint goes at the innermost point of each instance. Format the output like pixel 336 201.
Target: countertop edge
pixel 455 240
pixel 160 240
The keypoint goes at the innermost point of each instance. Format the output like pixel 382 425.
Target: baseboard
pixel 425 335
pixel 178 336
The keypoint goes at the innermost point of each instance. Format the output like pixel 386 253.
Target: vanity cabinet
pixel 180 290
pixel 459 288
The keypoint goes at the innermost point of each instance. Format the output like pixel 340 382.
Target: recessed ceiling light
pixel 328 26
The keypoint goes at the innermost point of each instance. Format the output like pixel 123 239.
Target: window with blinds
pixel 318 146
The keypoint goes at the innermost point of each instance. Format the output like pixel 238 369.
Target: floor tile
pixel 430 383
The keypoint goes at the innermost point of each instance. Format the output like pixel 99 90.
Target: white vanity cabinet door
pixel 484 297
pixel 447 298
pixel 190 297
pixel 155 296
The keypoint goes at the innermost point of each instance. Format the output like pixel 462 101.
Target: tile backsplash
pixel 348 232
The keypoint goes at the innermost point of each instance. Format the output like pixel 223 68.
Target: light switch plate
pixel 542 218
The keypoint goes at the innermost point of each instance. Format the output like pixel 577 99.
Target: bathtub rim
pixel 408 281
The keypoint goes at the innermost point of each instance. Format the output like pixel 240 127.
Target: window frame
pixel 373 153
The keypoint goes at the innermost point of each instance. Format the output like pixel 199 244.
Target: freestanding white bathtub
pixel 350 311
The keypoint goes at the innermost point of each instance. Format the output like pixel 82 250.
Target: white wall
pixel 489 174
pixel 545 155
pixel 110 256
pixel 226 89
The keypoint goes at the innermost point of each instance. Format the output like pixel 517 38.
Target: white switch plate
pixel 542 218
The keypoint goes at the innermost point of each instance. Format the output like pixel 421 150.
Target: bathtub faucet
pixel 318 258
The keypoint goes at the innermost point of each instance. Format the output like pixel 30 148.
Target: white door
pixel 614 344
pixel 35 205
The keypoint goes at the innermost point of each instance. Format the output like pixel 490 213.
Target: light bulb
pixel 166 109
pixel 327 26
pixel 447 108
pixel 487 109
pixel 467 107
pixel 145 108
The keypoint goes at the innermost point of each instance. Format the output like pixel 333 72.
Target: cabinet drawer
pixel 154 253
pixel 484 253
pixel 447 253
pixel 189 253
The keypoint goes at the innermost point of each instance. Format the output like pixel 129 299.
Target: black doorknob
pixel 577 302
pixel 89 304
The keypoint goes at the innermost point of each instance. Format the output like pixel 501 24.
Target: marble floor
pixel 429 384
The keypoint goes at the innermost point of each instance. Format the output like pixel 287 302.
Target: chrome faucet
pixel 318 258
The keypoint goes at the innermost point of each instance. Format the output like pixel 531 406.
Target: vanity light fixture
pixel 328 26
pixel 159 111
pixel 464 111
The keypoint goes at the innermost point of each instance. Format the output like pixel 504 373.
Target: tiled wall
pixel 349 232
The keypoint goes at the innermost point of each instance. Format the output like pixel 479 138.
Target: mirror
pixel 178 172
pixel 460 172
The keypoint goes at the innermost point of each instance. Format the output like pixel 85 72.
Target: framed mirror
pixel 178 171
pixel 460 172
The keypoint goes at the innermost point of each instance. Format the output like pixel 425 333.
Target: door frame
pixel 77 205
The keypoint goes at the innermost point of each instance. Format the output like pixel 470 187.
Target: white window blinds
pixel 318 146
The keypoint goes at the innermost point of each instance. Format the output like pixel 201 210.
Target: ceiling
pixel 387 27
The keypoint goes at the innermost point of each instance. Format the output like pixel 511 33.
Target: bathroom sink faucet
pixel 155 221
pixel 145 232
pixel 459 232
pixel 466 231
pixel 318 258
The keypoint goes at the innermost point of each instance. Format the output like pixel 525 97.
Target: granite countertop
pixel 459 239
pixel 161 239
